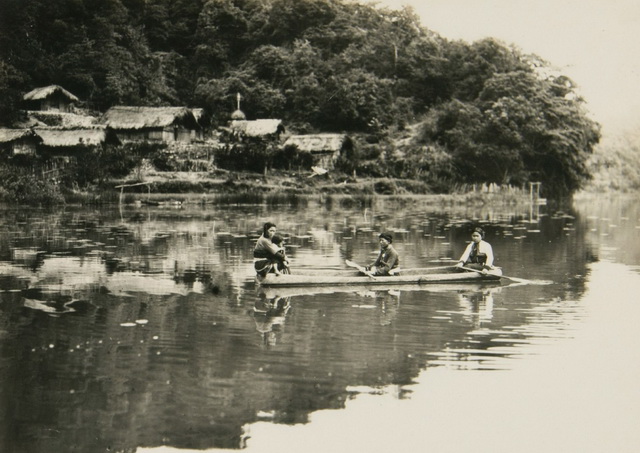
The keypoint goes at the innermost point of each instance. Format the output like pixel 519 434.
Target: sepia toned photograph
pixel 313 226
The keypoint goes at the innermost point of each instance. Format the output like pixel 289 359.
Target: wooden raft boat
pixel 422 277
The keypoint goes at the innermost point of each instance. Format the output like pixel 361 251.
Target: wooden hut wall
pixel 166 135
pixel 178 134
pixel 139 135
pixel 56 101
pixel 325 160
pixel 24 146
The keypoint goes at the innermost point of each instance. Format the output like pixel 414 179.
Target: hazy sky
pixel 594 42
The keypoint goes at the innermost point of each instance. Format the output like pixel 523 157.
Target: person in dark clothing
pixel 265 253
pixel 387 260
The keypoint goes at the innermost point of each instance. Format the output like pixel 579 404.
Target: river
pixel 140 329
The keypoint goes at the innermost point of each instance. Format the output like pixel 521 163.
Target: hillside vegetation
pixel 427 108
pixel 615 164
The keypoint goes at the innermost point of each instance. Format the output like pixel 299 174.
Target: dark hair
pixel 276 239
pixel 266 227
pixel 478 230
pixel 386 236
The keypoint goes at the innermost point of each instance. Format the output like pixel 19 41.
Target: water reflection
pixel 120 329
pixel 269 316
pixel 478 305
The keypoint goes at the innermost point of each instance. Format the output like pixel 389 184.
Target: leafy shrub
pixel 370 168
pixel 25 186
pixel 255 156
pixel 385 187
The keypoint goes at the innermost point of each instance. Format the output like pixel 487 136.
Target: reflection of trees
pixel 613 223
pixel 97 384
pixel 196 372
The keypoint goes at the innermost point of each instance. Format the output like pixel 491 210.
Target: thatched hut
pixel 73 142
pixel 266 128
pixel 18 141
pixel 52 97
pixel 324 148
pixel 153 124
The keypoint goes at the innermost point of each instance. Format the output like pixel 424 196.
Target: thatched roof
pixel 257 128
pixel 11 135
pixel 197 113
pixel 317 143
pixel 59 119
pixel 72 137
pixel 29 123
pixel 125 117
pixel 238 115
pixel 45 92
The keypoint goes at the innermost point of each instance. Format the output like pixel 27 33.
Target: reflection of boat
pixel 420 277
pixel 271 292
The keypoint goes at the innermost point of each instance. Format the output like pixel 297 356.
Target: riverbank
pixel 222 186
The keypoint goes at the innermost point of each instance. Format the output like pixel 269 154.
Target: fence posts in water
pixel 122 186
pixel 534 193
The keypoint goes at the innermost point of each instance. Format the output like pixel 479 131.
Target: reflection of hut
pixel 153 124
pixel 257 128
pixel 74 141
pixel 52 97
pixel 18 141
pixel 324 148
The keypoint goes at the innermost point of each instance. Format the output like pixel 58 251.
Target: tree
pixel 470 66
pixel 318 64
pixel 521 128
pixel 292 19
pixel 221 36
pixel 355 99
pixel 11 83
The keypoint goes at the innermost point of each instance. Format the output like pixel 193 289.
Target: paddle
pixel 515 279
pixel 360 268
pixel 414 269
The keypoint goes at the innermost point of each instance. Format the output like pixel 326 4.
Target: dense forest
pixel 478 112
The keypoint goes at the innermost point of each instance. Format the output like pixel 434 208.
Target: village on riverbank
pixel 175 150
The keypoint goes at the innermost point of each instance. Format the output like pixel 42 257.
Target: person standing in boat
pixel 265 253
pixel 478 254
pixel 388 260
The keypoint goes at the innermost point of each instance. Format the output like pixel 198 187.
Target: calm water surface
pixel 142 327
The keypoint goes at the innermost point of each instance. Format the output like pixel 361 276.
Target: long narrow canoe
pixel 353 278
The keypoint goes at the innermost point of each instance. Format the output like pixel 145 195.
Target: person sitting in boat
pixel 281 262
pixel 478 255
pixel 265 253
pixel 388 260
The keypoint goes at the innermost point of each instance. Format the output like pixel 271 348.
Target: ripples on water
pixel 144 327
